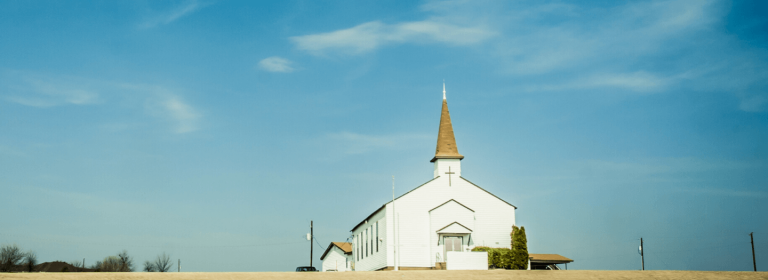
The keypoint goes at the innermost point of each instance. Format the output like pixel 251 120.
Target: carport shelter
pixel 547 261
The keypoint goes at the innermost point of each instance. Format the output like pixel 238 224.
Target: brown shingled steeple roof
pixel 446 143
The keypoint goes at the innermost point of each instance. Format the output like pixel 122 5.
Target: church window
pixel 366 242
pixel 371 239
pixel 377 236
pixel 359 249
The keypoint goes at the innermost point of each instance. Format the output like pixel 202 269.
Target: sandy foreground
pixel 402 275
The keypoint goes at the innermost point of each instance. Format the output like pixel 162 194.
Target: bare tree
pixel 163 263
pixel 120 263
pixel 10 257
pixel 149 266
pixel 126 262
pixel 96 266
pixel 111 264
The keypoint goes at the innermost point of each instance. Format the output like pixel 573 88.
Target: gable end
pixel 510 204
pixel 451 225
pixel 339 245
pixel 444 203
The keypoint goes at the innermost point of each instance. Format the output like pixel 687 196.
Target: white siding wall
pixel 443 165
pixel 375 260
pixel 467 261
pixel 335 259
pixel 493 218
pixel 443 216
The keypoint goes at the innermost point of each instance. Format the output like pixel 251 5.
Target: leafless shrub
pixel 77 265
pixel 163 263
pixel 149 266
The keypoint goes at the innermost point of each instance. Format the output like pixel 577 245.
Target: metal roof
pixel 446 142
pixel 548 258
pixel 346 247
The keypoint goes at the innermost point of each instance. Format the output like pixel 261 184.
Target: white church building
pixel 448 213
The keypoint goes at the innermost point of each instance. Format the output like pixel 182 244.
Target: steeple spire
pixel 446 143
pixel 443 89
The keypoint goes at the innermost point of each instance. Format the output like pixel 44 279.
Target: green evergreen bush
pixel 519 249
pixel 497 257
pixel 514 258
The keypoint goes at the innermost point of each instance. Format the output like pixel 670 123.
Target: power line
pixel 318 243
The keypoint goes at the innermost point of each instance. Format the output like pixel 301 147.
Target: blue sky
pixel 215 131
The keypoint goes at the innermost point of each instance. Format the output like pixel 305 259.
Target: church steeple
pixel 446 143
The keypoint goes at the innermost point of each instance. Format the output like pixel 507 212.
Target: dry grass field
pixel 402 275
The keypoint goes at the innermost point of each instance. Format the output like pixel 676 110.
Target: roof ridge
pixel 465 179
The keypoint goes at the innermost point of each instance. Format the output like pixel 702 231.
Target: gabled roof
pixel 444 203
pixel 385 204
pixel 510 204
pixel 454 223
pixel 346 247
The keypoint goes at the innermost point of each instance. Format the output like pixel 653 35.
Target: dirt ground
pixel 403 275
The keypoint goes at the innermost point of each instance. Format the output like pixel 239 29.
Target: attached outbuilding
pixel 337 257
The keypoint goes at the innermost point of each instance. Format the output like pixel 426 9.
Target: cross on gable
pixel 449 175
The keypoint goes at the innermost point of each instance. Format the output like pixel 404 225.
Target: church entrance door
pixel 452 243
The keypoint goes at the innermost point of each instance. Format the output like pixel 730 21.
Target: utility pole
pixel 178 266
pixel 84 264
pixel 642 254
pixel 311 244
pixel 752 240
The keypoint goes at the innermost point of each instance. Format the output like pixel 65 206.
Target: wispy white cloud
pixel 647 47
pixel 619 35
pixel 369 36
pixel 641 82
pixel 172 15
pixel 168 104
pixel 182 113
pixel 44 91
pixel 276 64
